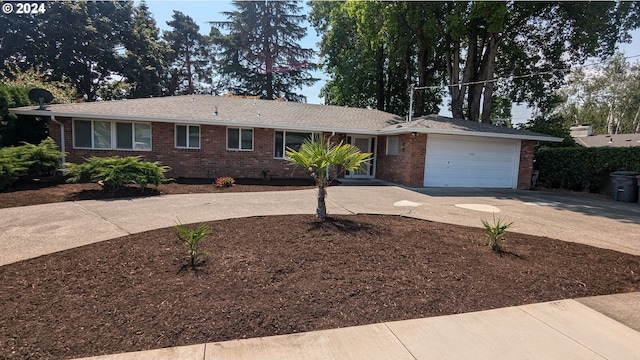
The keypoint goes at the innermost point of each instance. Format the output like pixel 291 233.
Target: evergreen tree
pixel 145 65
pixel 260 55
pixel 190 65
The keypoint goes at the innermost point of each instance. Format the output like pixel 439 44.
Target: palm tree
pixel 318 155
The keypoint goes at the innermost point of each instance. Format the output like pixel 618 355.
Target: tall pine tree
pixel 190 61
pixel 260 54
pixel 145 64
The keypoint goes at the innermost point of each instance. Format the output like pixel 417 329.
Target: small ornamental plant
pixel 225 181
pixel 191 238
pixel 495 232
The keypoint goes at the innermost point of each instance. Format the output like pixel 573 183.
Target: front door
pixel 366 144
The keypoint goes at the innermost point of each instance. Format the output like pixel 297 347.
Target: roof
pixel 436 124
pixel 615 140
pixel 231 111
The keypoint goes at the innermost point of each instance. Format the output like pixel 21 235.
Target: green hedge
pixel 583 169
pixel 28 161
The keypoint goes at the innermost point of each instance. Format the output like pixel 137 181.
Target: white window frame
pixel 393 147
pixel 187 126
pixel 284 141
pixel 240 129
pixel 113 135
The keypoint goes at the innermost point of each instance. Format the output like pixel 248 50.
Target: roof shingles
pixel 201 109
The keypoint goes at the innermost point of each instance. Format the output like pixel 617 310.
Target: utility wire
pixel 516 76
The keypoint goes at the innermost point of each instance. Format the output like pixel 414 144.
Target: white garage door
pixel 470 161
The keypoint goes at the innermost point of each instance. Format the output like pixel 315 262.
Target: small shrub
pixel 191 238
pixel 116 172
pixel 12 167
pixel 225 181
pixel 45 158
pixel 28 161
pixel 495 232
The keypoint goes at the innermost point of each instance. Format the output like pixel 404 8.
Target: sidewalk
pixel 591 328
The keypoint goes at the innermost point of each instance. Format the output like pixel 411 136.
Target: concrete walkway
pixel 592 328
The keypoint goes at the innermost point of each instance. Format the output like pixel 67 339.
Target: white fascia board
pixel 47 113
pixel 470 133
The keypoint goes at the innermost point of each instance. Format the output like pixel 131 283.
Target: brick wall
pixel 210 161
pixel 526 164
pixel 406 168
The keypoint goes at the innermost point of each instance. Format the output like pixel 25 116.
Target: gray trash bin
pixel 625 186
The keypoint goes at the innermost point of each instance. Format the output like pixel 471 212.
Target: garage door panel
pixel 456 161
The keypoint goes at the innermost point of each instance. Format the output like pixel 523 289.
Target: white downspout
pixel 62 147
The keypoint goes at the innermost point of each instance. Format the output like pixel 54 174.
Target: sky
pixel 203 11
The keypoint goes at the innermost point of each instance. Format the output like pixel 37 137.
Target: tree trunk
pixel 636 121
pixel 321 211
pixel 489 65
pixel 188 66
pixel 422 78
pixel 457 91
pixel 380 100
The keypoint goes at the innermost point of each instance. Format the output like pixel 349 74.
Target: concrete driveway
pixel 580 219
pixel 31 231
pixel 590 328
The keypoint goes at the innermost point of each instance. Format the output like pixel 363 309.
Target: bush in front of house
pixel 28 161
pixel 117 172
pixel 583 169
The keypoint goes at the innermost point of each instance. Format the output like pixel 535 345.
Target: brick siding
pixel 407 167
pixel 526 164
pixel 210 161
pixel 214 160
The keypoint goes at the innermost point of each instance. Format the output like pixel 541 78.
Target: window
pixel 188 136
pixel 239 139
pixel 111 135
pixel 288 139
pixel 392 145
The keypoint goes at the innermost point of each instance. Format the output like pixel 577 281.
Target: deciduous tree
pixel 606 96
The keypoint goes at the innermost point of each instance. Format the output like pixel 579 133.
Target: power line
pixel 517 76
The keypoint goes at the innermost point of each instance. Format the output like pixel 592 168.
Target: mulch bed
pixel 35 192
pixel 262 278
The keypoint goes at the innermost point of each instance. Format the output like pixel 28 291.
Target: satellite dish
pixel 41 96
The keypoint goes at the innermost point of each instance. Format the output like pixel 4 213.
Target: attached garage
pixel 471 161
